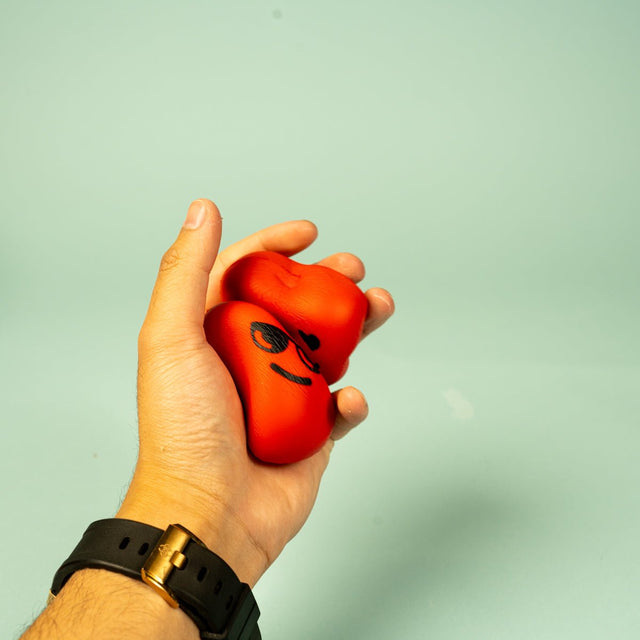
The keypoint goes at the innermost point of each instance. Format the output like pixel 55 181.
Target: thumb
pixel 177 306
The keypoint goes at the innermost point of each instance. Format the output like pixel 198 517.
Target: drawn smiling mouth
pixel 290 376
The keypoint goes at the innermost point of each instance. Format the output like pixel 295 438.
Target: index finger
pixel 287 238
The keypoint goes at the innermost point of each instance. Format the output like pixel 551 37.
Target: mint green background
pixel 481 157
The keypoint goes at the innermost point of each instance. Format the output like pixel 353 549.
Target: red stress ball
pixel 289 411
pixel 319 308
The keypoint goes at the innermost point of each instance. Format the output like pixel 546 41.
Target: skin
pixel 193 466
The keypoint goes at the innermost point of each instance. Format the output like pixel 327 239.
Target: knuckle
pixel 166 340
pixel 170 259
pixel 152 338
pixel 147 339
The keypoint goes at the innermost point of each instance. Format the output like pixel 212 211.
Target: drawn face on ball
pixel 274 340
pixel 323 310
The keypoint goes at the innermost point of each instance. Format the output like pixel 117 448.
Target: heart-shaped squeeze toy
pixel 288 407
pixel 285 333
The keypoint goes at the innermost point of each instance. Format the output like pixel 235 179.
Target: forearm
pixel 96 604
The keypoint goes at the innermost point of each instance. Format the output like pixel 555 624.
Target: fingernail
pixel 195 215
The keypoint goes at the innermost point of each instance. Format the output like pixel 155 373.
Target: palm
pixel 273 499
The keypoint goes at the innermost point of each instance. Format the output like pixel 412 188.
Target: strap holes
pixel 201 574
pixel 229 603
pixel 124 543
pixel 216 589
pixel 143 548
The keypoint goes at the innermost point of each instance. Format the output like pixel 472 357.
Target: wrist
pixel 174 564
pixel 213 521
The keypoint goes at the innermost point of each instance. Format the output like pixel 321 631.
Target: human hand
pixel 193 466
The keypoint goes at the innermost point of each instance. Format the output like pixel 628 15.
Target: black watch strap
pixel 196 579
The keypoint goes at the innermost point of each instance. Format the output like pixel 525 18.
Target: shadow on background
pixel 409 562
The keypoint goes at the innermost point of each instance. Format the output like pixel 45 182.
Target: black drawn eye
pixel 312 366
pixel 269 337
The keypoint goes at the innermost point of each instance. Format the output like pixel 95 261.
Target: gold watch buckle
pixel 165 557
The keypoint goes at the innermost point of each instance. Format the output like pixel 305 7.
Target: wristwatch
pixel 178 566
